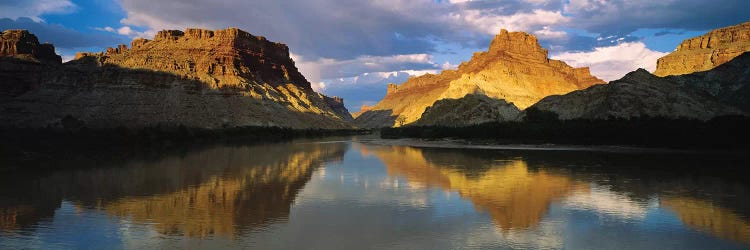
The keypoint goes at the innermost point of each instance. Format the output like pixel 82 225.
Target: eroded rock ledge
pixel 515 68
pixel 193 78
pixel 706 52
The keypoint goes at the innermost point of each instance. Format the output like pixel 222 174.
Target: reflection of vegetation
pixel 32 148
pixel 514 196
pixel 709 217
pixel 544 127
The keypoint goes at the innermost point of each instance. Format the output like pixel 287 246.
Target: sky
pixel 354 48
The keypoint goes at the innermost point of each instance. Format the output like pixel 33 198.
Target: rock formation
pixel 197 78
pixel 468 110
pixel 729 82
pixel 707 76
pixel 337 106
pixel 706 52
pixel 515 68
pixel 637 94
pixel 362 109
pixel 24 45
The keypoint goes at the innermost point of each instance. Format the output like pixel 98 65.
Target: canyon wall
pixel 706 52
pixel 515 69
pixel 196 78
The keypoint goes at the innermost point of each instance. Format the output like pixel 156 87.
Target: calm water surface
pixel 361 193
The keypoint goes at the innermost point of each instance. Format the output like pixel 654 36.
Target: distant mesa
pixel 706 52
pixel 194 78
pixel 515 69
pixel 706 77
pixel 362 109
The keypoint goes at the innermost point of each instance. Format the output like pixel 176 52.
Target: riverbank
pixel 41 148
pixel 729 132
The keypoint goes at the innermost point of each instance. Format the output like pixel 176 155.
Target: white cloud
pixel 34 8
pixel 604 201
pixel 612 63
pixel 318 86
pixel 127 31
pixel 489 23
pixel 547 33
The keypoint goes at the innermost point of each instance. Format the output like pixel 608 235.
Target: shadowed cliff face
pixel 515 69
pixel 216 191
pixel 468 110
pixel 197 78
pixel 706 52
pixel 724 90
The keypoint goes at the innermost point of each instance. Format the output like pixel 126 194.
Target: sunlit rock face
pixel 515 69
pixel 514 196
pixel 196 78
pixel 638 94
pixel 706 52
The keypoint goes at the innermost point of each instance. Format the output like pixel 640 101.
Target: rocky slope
pixel 637 94
pixel 468 110
pixel 515 68
pixel 707 76
pixel 706 52
pixel 197 78
pixel 729 82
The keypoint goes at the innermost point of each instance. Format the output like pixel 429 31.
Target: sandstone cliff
pixel 706 52
pixel 197 78
pixel 637 94
pixel 468 110
pixel 515 68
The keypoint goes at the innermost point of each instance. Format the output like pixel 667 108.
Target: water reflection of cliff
pixel 517 189
pixel 514 196
pixel 708 217
pixel 221 190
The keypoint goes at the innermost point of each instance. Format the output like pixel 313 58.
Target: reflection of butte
pixel 253 197
pixel 514 196
pixel 708 217
pixel 219 190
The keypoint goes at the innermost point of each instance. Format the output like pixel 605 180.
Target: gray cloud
pixel 621 17
pixel 34 8
pixel 313 28
pixel 61 36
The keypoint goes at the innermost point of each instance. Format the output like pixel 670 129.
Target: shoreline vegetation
pixel 543 127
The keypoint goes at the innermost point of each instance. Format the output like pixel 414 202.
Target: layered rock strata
pixel 515 69
pixel 706 52
pixel 196 78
